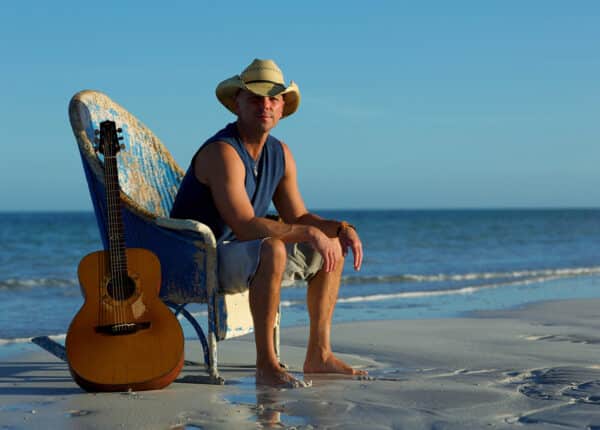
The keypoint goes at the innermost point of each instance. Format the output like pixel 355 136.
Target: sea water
pixel 417 264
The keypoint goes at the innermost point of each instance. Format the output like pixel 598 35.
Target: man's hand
pixel 329 248
pixel 349 239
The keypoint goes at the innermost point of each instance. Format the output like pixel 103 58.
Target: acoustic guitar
pixel 123 337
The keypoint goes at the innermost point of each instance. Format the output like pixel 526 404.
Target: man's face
pixel 257 112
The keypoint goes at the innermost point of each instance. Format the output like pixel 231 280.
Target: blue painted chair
pixel 149 179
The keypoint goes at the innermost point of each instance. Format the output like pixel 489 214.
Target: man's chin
pixel 266 124
pixel 260 125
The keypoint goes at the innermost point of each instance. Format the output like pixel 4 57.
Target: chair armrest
pixel 188 225
pixel 186 251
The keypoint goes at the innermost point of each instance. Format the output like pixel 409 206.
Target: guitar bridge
pixel 122 328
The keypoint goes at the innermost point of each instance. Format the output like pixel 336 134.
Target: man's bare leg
pixel 321 298
pixel 264 304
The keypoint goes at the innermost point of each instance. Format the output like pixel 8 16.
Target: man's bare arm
pixel 219 166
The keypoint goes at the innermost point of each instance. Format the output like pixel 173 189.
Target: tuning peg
pixel 122 146
pixel 96 132
pixel 120 137
pixel 119 130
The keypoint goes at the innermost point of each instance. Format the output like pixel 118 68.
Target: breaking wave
pixel 57 337
pixel 443 277
pixel 431 293
pixel 505 279
pixel 25 283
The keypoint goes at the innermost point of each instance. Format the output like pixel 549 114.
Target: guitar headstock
pixel 108 144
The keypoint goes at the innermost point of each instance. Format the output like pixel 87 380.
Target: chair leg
pixel 180 309
pixel 213 371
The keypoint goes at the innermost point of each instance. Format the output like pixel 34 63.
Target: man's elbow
pixel 244 230
pixel 242 235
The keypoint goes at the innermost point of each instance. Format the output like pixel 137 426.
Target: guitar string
pixel 116 272
pixel 118 238
pixel 120 243
pixel 109 190
pixel 117 246
pixel 107 164
pixel 110 215
pixel 115 250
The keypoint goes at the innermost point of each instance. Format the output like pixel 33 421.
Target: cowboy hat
pixel 263 78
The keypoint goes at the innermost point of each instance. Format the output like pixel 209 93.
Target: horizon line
pixel 376 209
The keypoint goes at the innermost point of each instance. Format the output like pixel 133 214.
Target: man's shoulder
pixel 217 149
pixel 287 152
pixel 219 141
pixel 277 144
pixel 216 159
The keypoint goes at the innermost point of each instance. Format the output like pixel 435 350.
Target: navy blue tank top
pixel 194 199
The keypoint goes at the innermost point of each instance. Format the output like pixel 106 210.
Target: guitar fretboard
pixel 116 237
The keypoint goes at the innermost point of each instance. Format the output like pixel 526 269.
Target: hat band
pixel 263 81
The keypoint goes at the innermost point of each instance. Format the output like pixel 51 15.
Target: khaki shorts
pixel 238 262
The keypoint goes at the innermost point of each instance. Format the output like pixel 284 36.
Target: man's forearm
pixel 329 227
pixel 259 227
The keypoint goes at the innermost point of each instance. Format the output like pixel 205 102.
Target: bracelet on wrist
pixel 344 225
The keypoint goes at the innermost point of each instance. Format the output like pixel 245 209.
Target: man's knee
pixel 274 253
pixel 339 262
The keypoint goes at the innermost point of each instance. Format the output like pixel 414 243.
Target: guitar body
pixel 123 337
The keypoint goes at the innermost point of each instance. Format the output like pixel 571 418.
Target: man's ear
pixel 282 106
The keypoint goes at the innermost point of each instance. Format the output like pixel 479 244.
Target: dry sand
pixel 534 368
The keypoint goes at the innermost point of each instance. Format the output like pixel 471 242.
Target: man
pixel 232 180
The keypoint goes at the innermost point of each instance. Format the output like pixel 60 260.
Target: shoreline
pixel 14 348
pixel 536 365
pixel 581 287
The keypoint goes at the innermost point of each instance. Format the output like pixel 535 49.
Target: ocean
pixel 418 264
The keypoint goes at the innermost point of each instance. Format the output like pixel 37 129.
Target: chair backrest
pixel 149 179
pixel 148 175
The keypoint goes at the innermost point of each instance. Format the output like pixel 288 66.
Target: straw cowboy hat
pixel 262 78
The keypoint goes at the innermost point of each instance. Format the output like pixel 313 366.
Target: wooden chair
pixel 149 179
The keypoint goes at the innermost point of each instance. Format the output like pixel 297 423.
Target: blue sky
pixel 404 104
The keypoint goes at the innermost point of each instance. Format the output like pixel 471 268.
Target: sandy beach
pixel 536 366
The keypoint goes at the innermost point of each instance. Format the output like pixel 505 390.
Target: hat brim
pixel 228 89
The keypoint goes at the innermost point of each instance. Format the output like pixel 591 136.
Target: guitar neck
pixel 116 237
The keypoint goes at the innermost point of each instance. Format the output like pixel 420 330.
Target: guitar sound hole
pixel 121 289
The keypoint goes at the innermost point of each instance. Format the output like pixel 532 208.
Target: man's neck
pixel 253 139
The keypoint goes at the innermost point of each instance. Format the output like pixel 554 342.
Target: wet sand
pixel 536 368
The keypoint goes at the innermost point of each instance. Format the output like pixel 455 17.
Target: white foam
pixel 16 340
pixel 444 277
pixel 20 283
pixel 198 314
pixel 432 293
pixel 56 337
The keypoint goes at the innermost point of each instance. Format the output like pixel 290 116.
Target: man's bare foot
pixel 277 377
pixel 331 364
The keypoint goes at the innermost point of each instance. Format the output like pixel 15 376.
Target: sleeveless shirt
pixel 194 199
